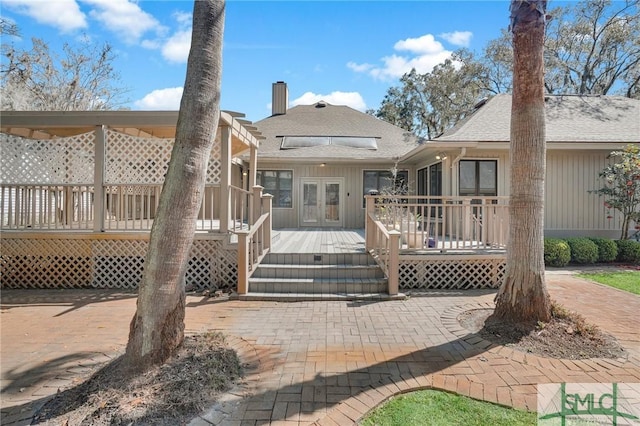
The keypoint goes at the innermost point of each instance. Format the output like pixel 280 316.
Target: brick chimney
pixel 279 98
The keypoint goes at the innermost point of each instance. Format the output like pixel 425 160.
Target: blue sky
pixel 344 52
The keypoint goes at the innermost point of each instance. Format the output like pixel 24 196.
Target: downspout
pixel 463 151
pixel 454 188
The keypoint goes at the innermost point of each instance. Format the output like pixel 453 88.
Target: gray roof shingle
pixel 569 118
pixel 332 120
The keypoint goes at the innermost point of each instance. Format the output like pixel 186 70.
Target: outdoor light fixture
pixel 441 156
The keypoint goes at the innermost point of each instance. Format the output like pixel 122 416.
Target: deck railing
pixel 241 204
pixel 443 223
pixel 255 242
pixel 384 247
pixel 126 207
pixel 47 207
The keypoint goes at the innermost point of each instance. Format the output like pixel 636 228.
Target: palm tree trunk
pixel 157 329
pixel 523 296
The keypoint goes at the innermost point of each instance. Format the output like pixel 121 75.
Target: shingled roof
pixel 569 118
pixel 323 119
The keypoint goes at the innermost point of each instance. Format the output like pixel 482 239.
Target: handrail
pixel 444 223
pixel 385 250
pixel 255 242
pixel 241 204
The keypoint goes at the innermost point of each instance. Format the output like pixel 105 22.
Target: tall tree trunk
pixel 523 296
pixel 157 329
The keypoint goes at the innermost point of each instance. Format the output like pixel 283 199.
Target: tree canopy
pixel 591 47
pixel 38 79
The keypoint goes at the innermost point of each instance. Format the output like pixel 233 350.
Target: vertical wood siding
pixel 569 207
pixel 353 211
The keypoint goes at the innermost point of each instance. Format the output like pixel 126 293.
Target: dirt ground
pixel 566 336
pixel 171 394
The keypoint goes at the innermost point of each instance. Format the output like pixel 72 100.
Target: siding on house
pixel 569 207
pixel 353 211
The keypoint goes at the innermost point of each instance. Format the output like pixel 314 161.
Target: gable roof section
pixel 323 119
pixel 569 118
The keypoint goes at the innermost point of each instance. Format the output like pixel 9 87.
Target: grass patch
pixel 627 281
pixel 442 408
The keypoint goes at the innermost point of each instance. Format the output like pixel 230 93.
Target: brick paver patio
pixel 326 363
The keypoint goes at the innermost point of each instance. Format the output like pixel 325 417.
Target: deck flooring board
pixel 319 240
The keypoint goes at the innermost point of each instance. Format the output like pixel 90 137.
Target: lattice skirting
pixel 452 272
pixel 118 264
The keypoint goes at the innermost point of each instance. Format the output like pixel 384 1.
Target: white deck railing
pixel 384 247
pixel 127 207
pixel 255 242
pixel 443 223
pixel 47 207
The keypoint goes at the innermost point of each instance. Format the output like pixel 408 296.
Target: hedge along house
pixel 472 158
pixel 79 191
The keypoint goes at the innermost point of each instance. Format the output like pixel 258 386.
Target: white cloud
pixel 64 15
pixel 176 48
pixel 124 17
pixel 351 99
pixel 422 53
pixel 359 67
pixel 458 38
pixel 183 18
pixel 425 45
pixel 161 99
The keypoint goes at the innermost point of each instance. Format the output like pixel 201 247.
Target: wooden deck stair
pixel 325 276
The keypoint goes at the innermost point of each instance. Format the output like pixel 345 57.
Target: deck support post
pixel 394 262
pixel 225 178
pixel 98 180
pixel 243 262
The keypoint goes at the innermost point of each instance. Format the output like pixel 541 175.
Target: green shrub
pixel 583 250
pixel 628 251
pixel 556 252
pixel 607 249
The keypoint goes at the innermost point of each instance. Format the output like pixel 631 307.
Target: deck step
pixel 311 297
pixel 337 275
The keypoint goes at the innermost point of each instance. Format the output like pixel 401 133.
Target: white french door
pixel 322 202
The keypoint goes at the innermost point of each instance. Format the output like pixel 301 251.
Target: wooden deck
pixel 318 240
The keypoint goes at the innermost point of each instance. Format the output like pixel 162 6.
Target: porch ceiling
pixel 145 124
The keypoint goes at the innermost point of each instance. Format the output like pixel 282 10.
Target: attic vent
pixel 321 104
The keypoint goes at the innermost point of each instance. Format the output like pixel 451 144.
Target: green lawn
pixel 435 408
pixel 627 281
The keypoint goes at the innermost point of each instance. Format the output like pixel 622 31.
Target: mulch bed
pixel 566 336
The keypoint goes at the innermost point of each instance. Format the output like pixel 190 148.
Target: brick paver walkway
pixel 326 363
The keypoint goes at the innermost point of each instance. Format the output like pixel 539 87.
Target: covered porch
pixel 79 192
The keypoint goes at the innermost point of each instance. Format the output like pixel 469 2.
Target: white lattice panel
pixel 451 274
pixel 119 264
pixel 135 160
pixel 27 263
pixel 53 161
pixel 130 159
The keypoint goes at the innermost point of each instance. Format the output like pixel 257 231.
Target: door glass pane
pixel 310 204
pixel 332 201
